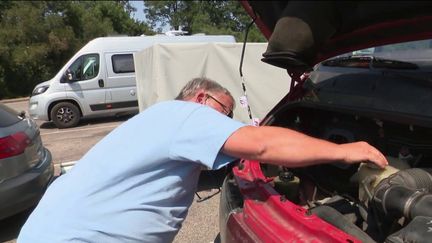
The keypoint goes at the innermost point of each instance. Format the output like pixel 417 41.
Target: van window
pixel 123 63
pixel 85 67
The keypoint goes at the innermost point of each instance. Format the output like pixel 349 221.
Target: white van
pixel 99 80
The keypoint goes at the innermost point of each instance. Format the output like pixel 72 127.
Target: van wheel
pixel 65 115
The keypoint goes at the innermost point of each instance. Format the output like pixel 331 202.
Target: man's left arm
pixel 289 148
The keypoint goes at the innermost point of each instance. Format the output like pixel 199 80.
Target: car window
pixel 398 47
pixel 8 116
pixel 85 67
pixel 90 69
pixel 406 46
pixel 123 63
pixel 405 55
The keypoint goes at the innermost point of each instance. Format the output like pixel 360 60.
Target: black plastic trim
pixel 117 105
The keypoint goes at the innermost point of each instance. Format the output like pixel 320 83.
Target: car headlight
pixel 40 90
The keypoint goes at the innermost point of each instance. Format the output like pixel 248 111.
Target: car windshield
pixel 407 55
pixel 395 78
pixel 369 62
pixel 418 52
pixel 399 47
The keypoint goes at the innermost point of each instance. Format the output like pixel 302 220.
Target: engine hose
pixel 405 193
pixel 335 218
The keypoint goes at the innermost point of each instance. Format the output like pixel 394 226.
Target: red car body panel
pixel 263 28
pixel 268 217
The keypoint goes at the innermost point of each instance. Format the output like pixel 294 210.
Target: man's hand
pixel 363 152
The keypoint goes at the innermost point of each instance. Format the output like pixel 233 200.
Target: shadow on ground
pixel 10 227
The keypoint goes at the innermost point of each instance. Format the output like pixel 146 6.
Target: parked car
pixel 26 166
pixel 349 84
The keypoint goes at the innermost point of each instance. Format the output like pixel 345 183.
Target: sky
pixel 139 13
pixel 139 5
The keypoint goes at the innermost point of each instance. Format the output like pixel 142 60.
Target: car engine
pixel 374 205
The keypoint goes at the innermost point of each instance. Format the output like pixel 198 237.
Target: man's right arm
pixel 289 148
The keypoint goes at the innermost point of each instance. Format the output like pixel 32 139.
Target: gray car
pixel 26 167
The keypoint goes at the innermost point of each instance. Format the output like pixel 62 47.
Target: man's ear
pixel 200 97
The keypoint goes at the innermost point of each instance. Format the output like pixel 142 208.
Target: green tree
pixel 27 34
pixel 209 17
pixel 38 37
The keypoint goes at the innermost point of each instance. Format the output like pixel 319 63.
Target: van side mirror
pixel 67 77
pixel 64 79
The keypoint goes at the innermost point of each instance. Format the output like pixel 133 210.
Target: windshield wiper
pixel 392 64
pixel 368 62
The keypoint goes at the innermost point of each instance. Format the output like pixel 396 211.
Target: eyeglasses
pixel 227 111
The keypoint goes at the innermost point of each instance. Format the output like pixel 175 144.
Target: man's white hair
pixel 198 84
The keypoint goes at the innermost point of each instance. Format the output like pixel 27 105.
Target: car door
pixel 120 82
pixel 85 82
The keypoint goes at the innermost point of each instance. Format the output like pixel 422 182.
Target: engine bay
pixel 371 204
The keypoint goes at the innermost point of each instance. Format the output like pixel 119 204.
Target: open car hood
pixel 361 96
pixel 303 33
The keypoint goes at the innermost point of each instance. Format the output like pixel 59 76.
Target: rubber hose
pixel 405 193
pixel 335 218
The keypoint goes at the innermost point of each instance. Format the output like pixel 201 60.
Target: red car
pixel 358 88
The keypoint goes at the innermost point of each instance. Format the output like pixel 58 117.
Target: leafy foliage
pixel 38 37
pixel 209 17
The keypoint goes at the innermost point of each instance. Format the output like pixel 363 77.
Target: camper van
pixel 99 80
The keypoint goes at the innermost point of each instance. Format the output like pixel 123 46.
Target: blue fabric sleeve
pixel 201 136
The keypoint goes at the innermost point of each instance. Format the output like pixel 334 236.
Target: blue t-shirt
pixel 137 183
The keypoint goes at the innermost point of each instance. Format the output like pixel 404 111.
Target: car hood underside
pixel 303 33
